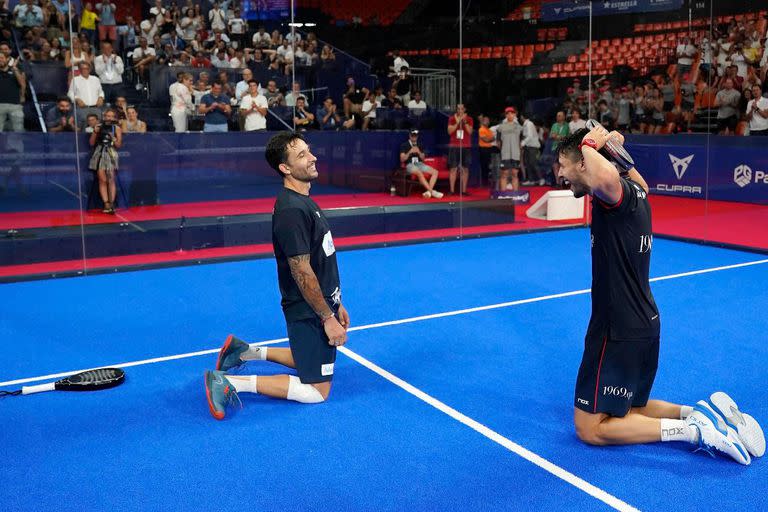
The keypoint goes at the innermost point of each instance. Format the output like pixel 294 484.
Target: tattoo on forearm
pixel 308 284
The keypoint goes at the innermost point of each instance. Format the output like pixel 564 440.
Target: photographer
pixel 106 139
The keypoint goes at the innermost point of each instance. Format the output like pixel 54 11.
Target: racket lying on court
pixel 91 380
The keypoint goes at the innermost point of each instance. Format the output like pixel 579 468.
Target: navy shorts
pixel 313 356
pixel 616 375
pixel 459 156
pixel 510 164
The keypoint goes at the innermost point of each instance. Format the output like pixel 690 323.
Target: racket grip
pixel 28 390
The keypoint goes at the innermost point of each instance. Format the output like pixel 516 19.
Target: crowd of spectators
pixel 717 82
pixel 209 42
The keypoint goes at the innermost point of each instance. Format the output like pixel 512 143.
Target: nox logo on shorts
pixel 582 401
pixel 621 392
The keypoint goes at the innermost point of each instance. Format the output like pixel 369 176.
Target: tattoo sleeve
pixel 308 285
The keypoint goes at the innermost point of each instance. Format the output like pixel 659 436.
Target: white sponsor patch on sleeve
pixel 326 369
pixel 328 246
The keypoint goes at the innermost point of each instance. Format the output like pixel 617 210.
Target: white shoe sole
pixel 745 425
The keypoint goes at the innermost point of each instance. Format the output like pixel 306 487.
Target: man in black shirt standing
pixel 621 347
pixel 309 285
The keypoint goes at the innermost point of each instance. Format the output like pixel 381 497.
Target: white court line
pixel 382 324
pixel 65 189
pixel 567 476
pixel 129 222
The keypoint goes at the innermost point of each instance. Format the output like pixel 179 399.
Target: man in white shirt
pixel 531 147
pixel 142 57
pixel 291 97
pixel 261 39
pixel 85 91
pixel 685 54
pixel 368 110
pixel 109 68
pixel 217 18
pixel 757 113
pixel 417 106
pixel 242 87
pixel 253 107
pixel 237 29
pixel 399 62
pixel 576 123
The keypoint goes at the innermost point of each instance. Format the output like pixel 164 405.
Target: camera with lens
pixel 105 134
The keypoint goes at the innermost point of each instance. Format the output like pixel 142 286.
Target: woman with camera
pixel 106 139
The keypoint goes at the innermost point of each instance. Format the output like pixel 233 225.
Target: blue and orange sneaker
pixel 220 393
pixel 229 355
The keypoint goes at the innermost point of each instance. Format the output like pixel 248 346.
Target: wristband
pixel 324 320
pixel 589 143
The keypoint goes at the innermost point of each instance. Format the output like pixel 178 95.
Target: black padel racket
pixel 91 380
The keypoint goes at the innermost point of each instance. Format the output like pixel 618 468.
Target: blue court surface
pixel 469 409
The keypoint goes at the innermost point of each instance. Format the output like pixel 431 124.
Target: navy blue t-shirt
pixel 216 116
pixel 300 227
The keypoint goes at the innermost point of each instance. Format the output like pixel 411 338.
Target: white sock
pixel 243 383
pixel 677 430
pixel 255 354
pixel 685 410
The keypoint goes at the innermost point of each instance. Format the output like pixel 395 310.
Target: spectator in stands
pixel 109 68
pixel 27 15
pixel 88 21
pixel 417 106
pixel 509 132
pixel 757 113
pixel 129 34
pixel 389 100
pixel 181 101
pixel 667 90
pixel 412 158
pixel 13 86
pixel 623 111
pixel 91 122
pixel 202 87
pixel 460 128
pixel 488 149
pixel 577 122
pixel 398 64
pixel 327 57
pixel 686 52
pixel 85 90
pixel 189 25
pixel 274 96
pixel 687 100
pixel 727 101
pixel 200 60
pixel 558 132
pixel 216 109
pixel 242 86
pixel 327 116
pixel 302 118
pixel 217 17
pixel 107 23
pixel 353 98
pixel 604 115
pixel 60 118
pixel 253 108
pixel 143 57
pixel 276 38
pixel 291 97
pixel 261 39
pixel 157 11
pixel 106 139
pixel 368 111
pixel 226 86
pixel 404 85
pixel 121 107
pixel 132 123
pixel 531 150
pixel 237 28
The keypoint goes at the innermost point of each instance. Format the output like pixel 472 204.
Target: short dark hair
pixel 277 149
pixel 569 146
pixel 253 82
pixel 63 98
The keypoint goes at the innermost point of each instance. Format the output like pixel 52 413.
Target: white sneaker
pixel 436 194
pixel 542 182
pixel 715 434
pixel 426 195
pixel 509 187
pixel 745 425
